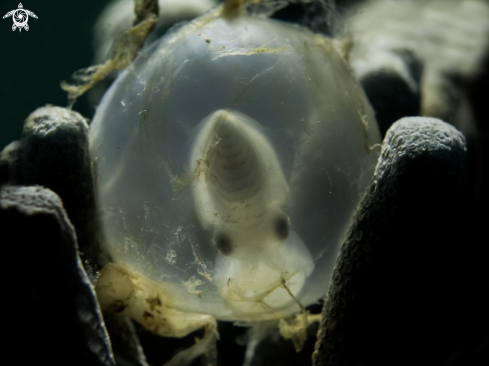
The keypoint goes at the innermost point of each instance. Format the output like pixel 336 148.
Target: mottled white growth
pixel 170 256
pixel 122 291
pixel 191 284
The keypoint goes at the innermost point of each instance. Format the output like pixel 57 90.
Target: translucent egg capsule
pixel 230 158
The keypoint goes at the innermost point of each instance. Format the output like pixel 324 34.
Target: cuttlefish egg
pixel 243 196
pixel 230 157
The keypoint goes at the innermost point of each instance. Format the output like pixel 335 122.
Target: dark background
pixel 33 63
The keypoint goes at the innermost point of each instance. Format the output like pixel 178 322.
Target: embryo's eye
pixel 223 243
pixel 282 226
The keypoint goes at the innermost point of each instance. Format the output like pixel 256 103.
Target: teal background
pixel 33 63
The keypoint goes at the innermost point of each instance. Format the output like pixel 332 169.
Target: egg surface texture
pixel 230 157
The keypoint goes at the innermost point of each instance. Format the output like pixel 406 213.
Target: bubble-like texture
pixel 233 151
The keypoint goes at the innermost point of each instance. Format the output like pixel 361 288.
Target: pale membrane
pixel 233 244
